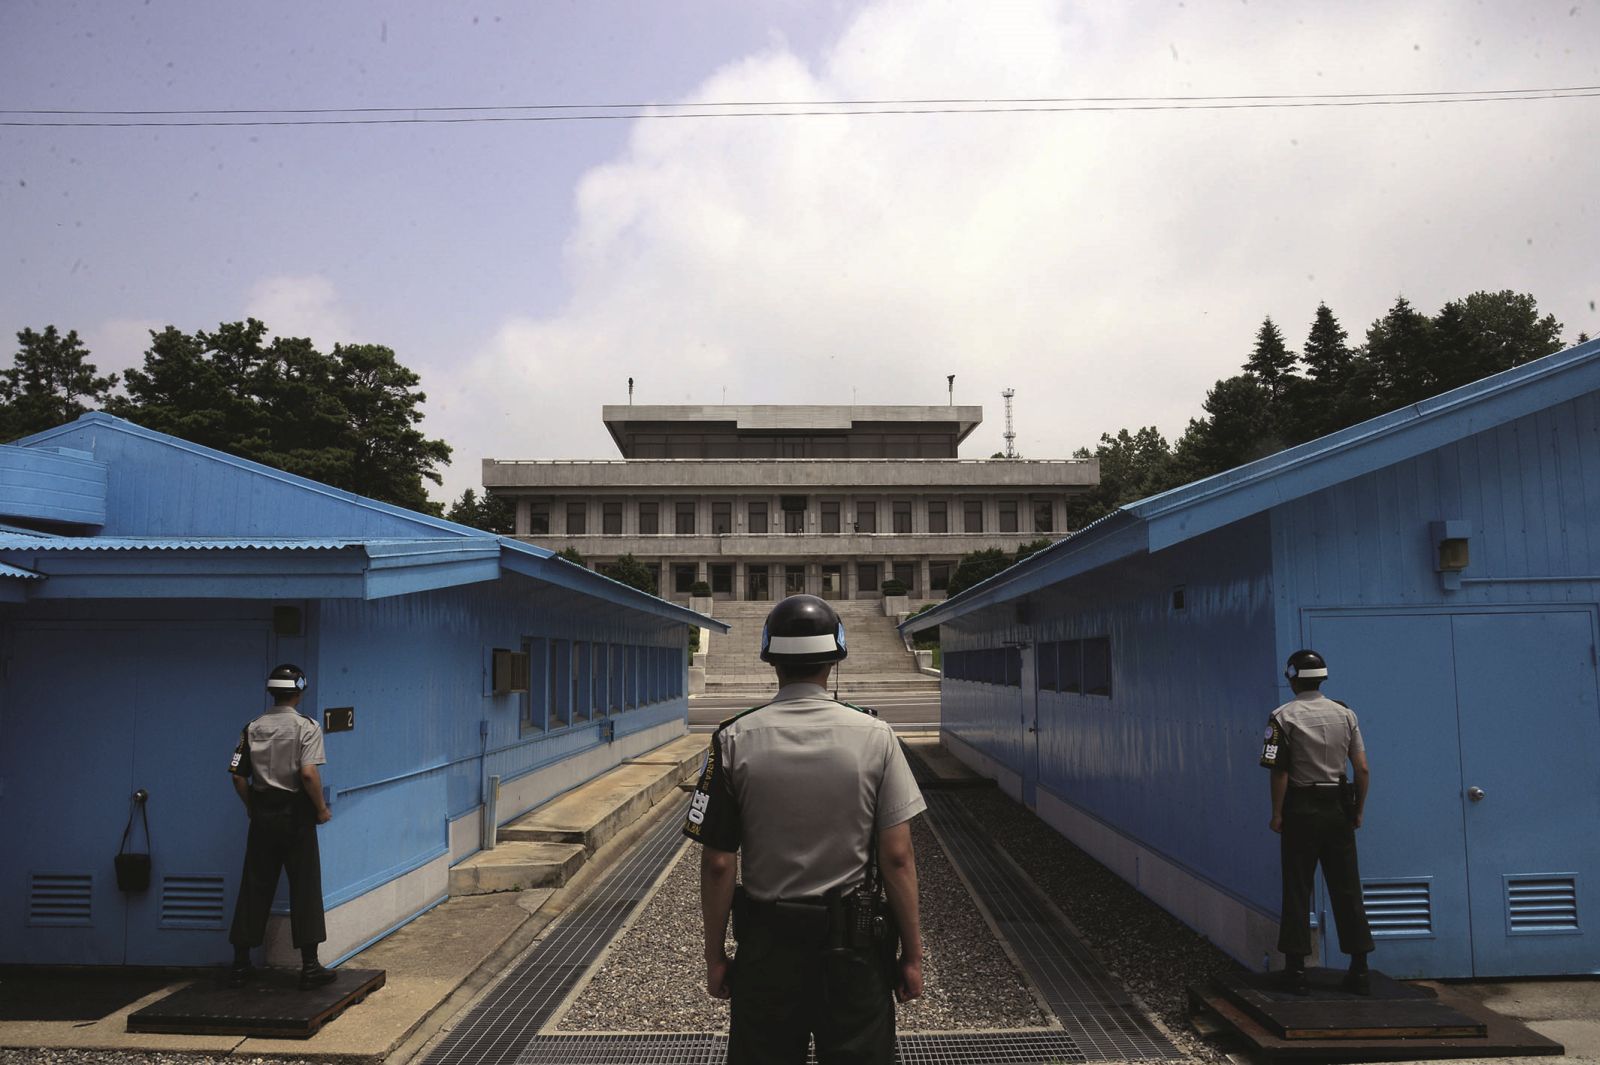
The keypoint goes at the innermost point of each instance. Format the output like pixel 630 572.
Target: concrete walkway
pixel 440 961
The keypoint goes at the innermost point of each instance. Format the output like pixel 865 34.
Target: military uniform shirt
pixel 274 746
pixel 800 786
pixel 1312 736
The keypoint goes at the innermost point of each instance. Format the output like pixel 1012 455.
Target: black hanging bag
pixel 133 867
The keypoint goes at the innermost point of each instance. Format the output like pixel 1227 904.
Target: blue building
pixel 1445 558
pixel 146 586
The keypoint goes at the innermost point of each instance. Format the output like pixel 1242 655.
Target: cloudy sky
pixel 1107 264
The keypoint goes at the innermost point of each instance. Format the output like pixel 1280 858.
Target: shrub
pixel 894 587
pixel 700 588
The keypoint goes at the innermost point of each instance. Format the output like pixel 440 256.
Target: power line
pixel 453 115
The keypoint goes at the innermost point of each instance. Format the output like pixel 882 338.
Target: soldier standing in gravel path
pixel 817 797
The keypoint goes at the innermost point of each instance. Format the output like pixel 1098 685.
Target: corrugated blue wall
pixel 414 668
pixel 1170 757
pixel 1529 488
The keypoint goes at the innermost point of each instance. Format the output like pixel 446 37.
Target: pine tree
pixel 50 382
pixel 1271 361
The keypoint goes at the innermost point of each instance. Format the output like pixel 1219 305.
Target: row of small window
pixel 678 445
pixel 1079 666
pixel 571 681
pixel 792 516
pixel 760 581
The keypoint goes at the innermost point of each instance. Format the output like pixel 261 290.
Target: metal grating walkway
pixel 1099 1020
pixel 1091 1005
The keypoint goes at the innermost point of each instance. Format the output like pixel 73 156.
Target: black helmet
pixel 1306 665
pixel 286 678
pixel 801 631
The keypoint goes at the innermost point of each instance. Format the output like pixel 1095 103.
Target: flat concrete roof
pixel 800 418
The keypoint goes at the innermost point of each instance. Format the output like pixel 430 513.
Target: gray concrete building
pixel 760 502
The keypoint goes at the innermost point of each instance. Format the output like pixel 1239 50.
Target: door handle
pixel 1475 794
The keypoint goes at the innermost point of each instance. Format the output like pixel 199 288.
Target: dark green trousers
pixel 786 993
pixel 1317 831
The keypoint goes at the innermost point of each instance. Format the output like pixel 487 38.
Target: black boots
pixel 240 972
pixel 1293 979
pixel 1358 981
pixel 312 974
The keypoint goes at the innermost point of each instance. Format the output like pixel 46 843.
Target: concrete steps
pixel 547 846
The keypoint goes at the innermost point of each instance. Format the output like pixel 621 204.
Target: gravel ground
pixel 654 978
pixel 1155 955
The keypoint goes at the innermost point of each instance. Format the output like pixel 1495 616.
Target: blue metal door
pixel 1398 674
pixel 90 714
pixel 199 687
pixel 66 765
pixel 1530 753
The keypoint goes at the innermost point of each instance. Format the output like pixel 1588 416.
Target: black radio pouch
pixel 1348 799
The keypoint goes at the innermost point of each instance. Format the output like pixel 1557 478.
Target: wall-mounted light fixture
pixel 1451 552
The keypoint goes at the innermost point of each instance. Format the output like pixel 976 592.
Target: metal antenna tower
pixel 1011 434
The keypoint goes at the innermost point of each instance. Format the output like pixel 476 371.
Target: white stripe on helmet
pixel 1312 673
pixel 800 645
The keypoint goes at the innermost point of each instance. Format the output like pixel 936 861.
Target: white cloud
pixel 120 343
pixel 1109 266
pixel 301 306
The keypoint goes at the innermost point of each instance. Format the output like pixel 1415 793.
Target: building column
pixel 922 578
pixel 524 506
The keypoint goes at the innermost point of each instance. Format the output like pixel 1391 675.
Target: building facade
pixel 1445 560
pixel 759 502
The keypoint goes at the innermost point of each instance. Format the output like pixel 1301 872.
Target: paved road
pixel 906 711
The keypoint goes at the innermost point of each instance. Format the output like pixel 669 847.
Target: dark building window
pixel 1045 658
pixel 721 517
pixel 867 576
pixel 535 700
pixel 539 519
pixel 830 515
pixel 758 519
pixel 1097 666
pixel 685 517
pixel 1013 667
pixel 758 584
pixel 833 582
pixel 866 516
pixel 580 680
pixel 1008 515
pixel 906 574
pixel 902 515
pixel 683 577
pixel 611 518
pixel 794 521
pixel 939 576
pixel 599 673
pixel 577 519
pixel 794 580
pixel 1044 517
pixel 1069 670
pixel 722 579
pixel 618 671
pixel 972 516
pixel 649 518
pixel 560 683
pixel 938 516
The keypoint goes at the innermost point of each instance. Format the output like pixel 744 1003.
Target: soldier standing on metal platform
pixel 275 773
pixel 1316 812
pixel 817 797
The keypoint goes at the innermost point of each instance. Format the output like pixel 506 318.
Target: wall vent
pixel 60 898
pixel 192 900
pixel 1542 905
pixel 1399 907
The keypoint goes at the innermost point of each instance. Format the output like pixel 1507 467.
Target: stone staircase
pixel 547 846
pixel 878 660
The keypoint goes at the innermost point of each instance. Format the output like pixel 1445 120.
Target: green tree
pixel 1238 427
pixel 348 418
pixel 630 571
pixel 1401 357
pixel 1132 466
pixel 1327 399
pixel 491 513
pixel 1271 360
pixel 976 566
pixel 1032 547
pixel 50 381
pixel 1488 332
pixel 572 555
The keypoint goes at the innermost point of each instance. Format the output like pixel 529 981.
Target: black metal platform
pixel 271 1006
pixel 1397 1022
